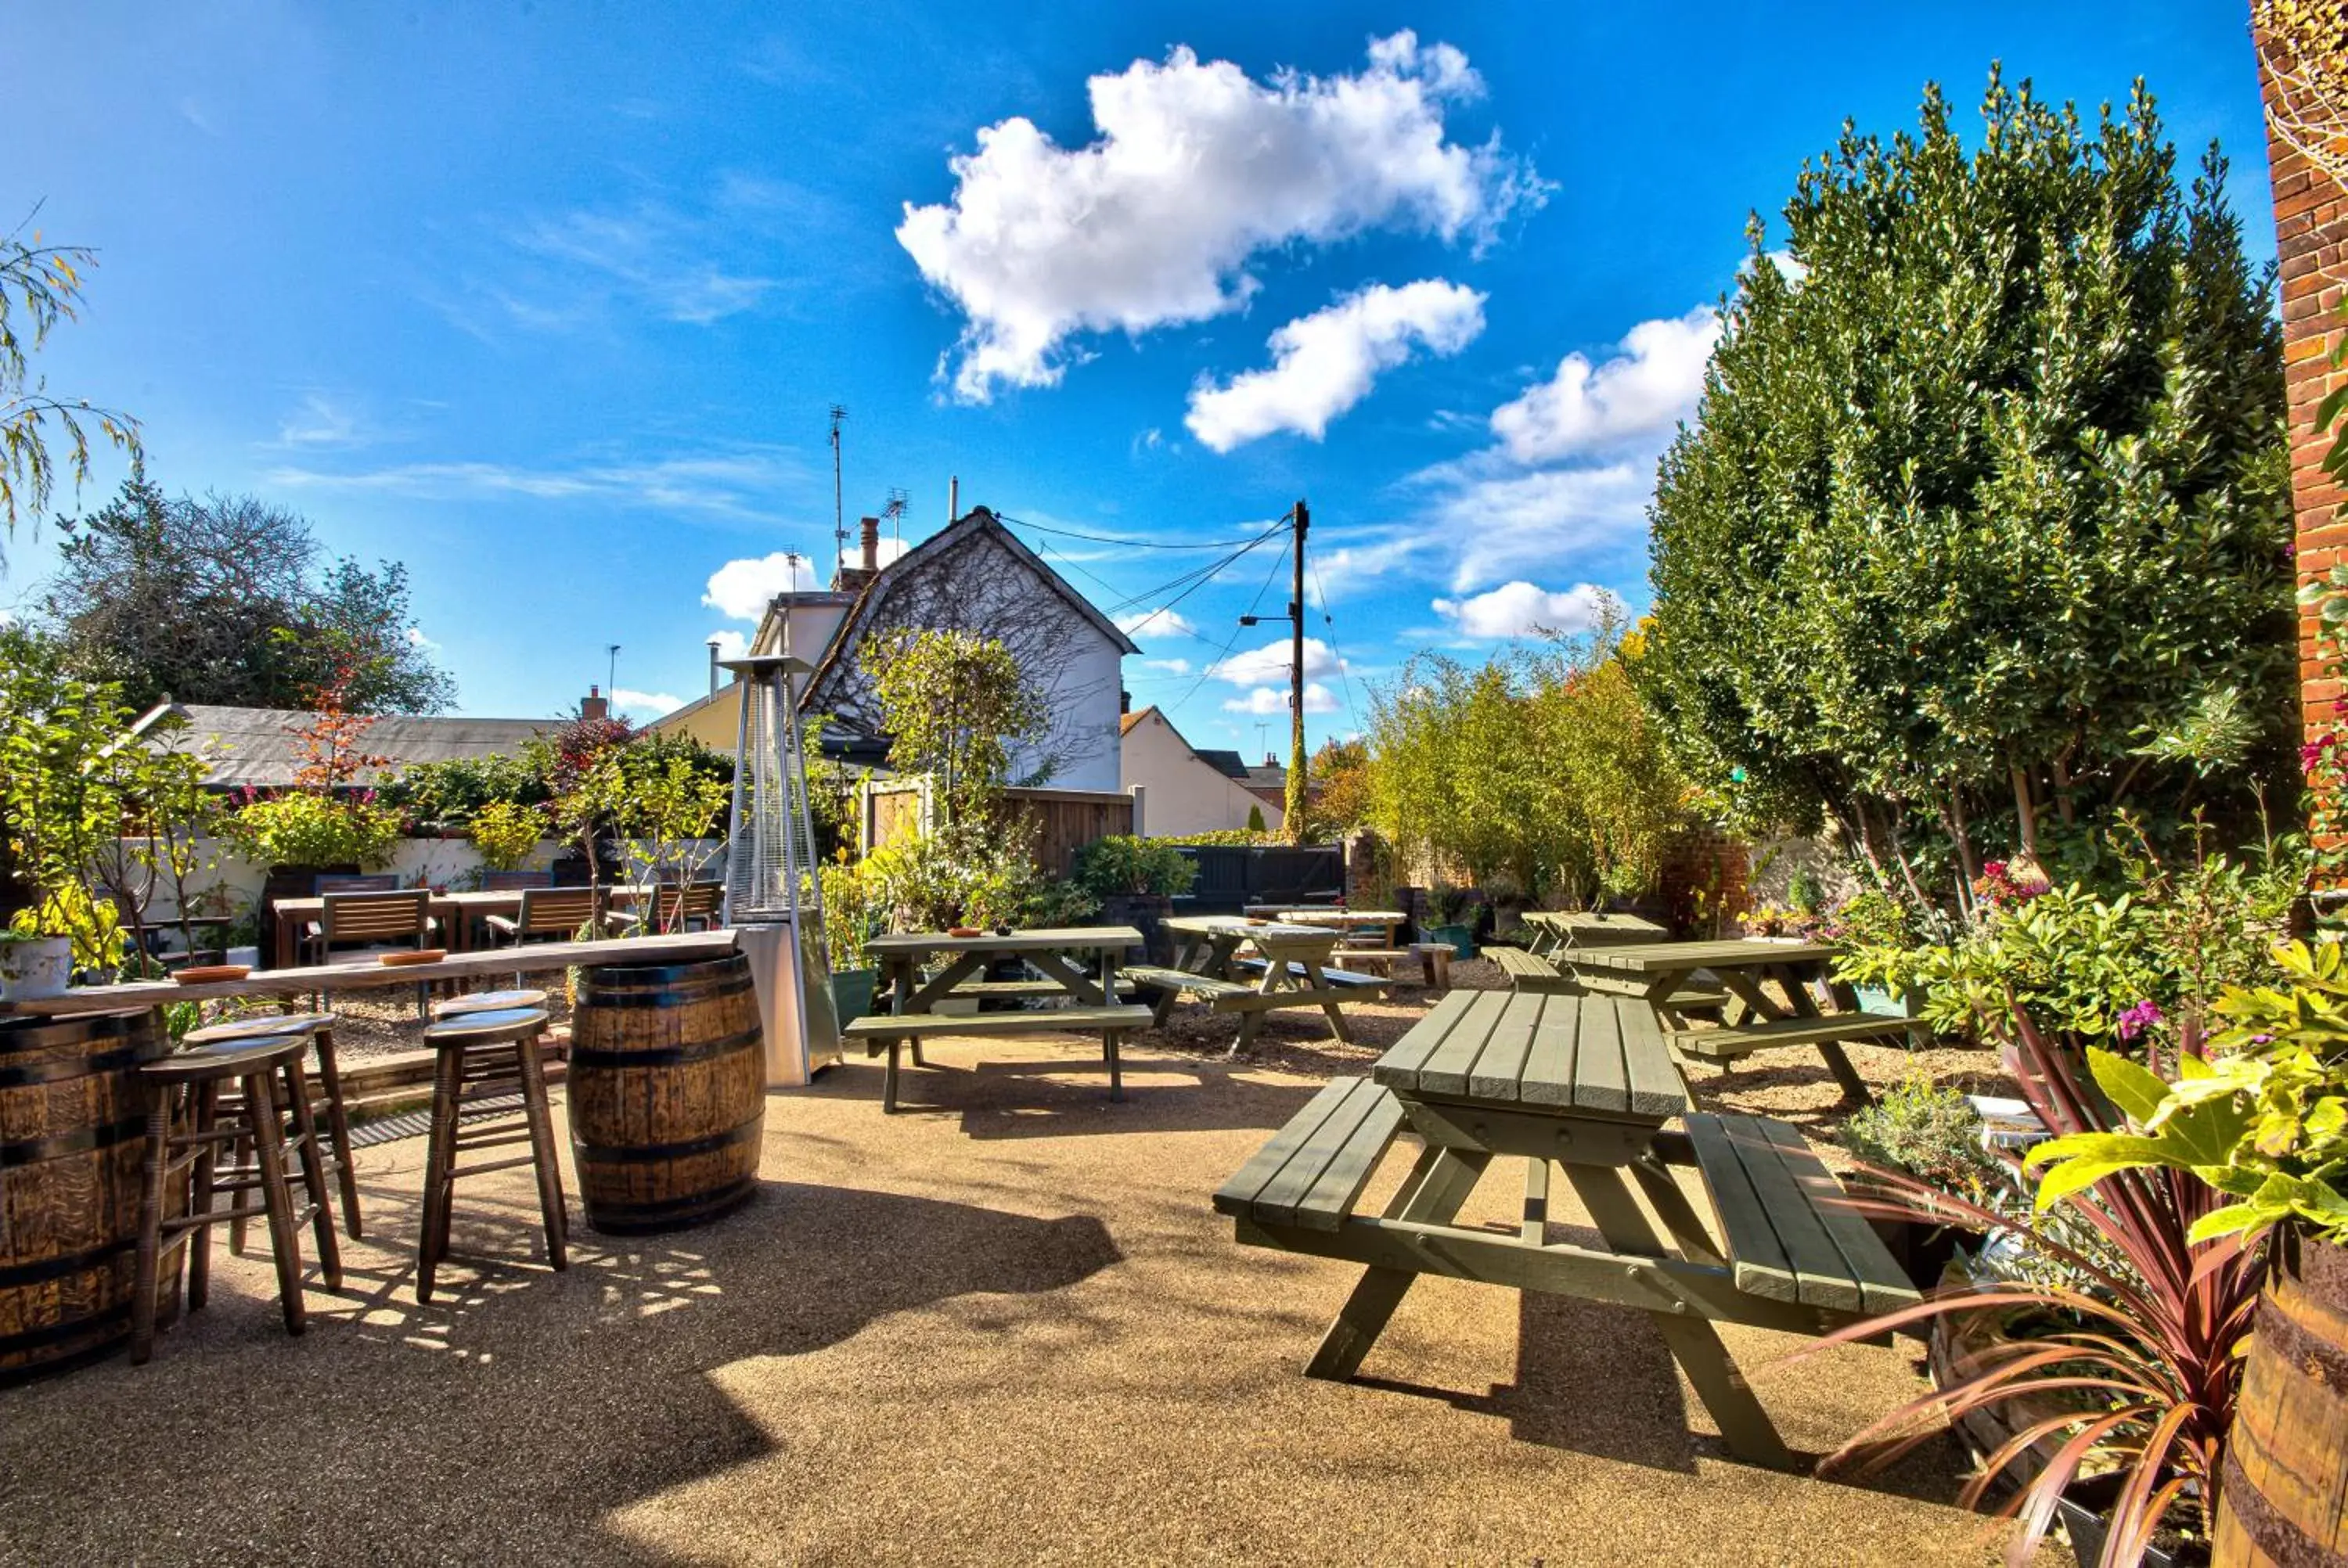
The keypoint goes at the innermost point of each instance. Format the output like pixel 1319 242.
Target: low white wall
pixel 447 863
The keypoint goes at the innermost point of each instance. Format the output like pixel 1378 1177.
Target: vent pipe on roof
pixel 712 666
pixel 954 497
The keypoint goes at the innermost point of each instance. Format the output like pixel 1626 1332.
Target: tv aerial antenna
pixel 838 514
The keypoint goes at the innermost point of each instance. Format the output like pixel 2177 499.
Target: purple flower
pixel 2138 1018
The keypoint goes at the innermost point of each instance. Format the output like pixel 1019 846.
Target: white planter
pixel 31 971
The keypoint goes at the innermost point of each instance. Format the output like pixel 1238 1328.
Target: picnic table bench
pixel 1290 971
pixel 1531 972
pixel 1661 971
pixel 1552 931
pixel 913 997
pixel 1586 1083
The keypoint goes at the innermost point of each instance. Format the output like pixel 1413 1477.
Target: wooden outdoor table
pixel 1657 970
pixel 1586 1083
pixel 1295 972
pixel 456 912
pixel 1046 950
pixel 1553 929
pixel 1384 922
pixel 368 975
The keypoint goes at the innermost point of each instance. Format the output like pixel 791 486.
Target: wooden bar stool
pixel 487 1056
pixel 196 1154
pixel 487 1001
pixel 318 1028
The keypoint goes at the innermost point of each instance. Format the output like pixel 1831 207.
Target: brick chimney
pixel 594 705
pixel 852 578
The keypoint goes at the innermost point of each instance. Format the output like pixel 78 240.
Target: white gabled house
pixel 1186 790
pixel 970 576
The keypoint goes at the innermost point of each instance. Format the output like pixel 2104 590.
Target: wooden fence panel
pixel 1063 820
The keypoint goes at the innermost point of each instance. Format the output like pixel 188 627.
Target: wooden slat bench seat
pixel 1530 971
pixel 1729 1044
pixel 1313 1168
pixel 1150 977
pixel 1378 957
pixel 892 1029
pixel 1023 988
pixel 1786 1222
pixel 1329 977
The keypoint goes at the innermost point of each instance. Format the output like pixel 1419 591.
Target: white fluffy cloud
pixel 1325 363
pixel 1196 168
pixel 1268 700
pixel 1269 662
pixel 731 644
pixel 651 704
pixel 1167 666
pixel 1647 388
pixel 1160 623
pixel 1520 609
pixel 740 590
pixel 1507 524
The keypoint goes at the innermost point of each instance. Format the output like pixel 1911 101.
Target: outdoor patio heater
pixel 774 893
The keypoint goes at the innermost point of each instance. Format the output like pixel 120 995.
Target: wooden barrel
pixel 73 1151
pixel 2284 1498
pixel 666 1091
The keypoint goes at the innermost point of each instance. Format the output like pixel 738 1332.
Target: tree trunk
pixel 2025 815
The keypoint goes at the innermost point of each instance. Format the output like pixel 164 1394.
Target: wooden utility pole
pixel 1292 813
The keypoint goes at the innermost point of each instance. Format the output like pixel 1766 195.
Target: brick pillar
pixel 2311 243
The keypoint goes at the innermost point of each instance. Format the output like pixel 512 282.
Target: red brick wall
pixel 2312 242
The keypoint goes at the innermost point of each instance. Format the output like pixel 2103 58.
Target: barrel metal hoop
pixel 2287 1340
pixel 647 1153
pixel 2280 1539
pixel 66 1066
pixel 664 1055
pixel 43 1269
pixel 664 998
pixel 655 1214
pixel 114 1316
pixel 34 1151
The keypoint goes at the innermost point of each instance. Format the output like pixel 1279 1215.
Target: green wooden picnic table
pixel 1664 973
pixel 1052 952
pixel 1291 970
pixel 1587 1083
pixel 1555 929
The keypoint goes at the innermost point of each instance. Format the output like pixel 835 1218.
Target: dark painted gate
pixel 1231 876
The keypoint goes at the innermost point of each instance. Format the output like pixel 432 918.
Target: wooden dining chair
pixel 368 924
pixel 547 914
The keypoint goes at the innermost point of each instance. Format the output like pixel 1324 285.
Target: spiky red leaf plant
pixel 2147 1356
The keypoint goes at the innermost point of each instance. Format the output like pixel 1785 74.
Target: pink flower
pixel 2138 1018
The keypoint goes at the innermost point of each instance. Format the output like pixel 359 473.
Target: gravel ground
pixel 1002 1327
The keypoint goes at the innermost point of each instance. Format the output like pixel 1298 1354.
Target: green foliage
pixel 967 873
pixel 445 797
pixel 1255 819
pixel 1241 837
pixel 40 285
pixel 230 600
pixel 1541 766
pixel 1931 1132
pixel 668 799
pixel 955 706
pixel 305 828
pixel 2132 966
pixel 1992 499
pixel 60 796
pixel 1122 863
pixel 1340 788
pixel 2263 1118
pixel 851 915
pixel 504 834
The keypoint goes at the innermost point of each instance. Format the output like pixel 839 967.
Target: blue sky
pixel 549 301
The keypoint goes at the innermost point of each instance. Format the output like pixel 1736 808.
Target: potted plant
pixel 33 965
pixel 2129 1362
pixel 1933 1135
pixel 2261 1121
pixel 850 921
pixel 1449 904
pixel 1878 938
pixel 1137 881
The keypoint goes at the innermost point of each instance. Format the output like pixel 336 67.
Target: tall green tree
pixel 1984 523
pixel 228 600
pixel 957 707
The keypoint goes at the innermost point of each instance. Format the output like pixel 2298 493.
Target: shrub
pixel 1123 864
pixel 309 829
pixel 504 834
pixel 1931 1132
pixel 446 796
